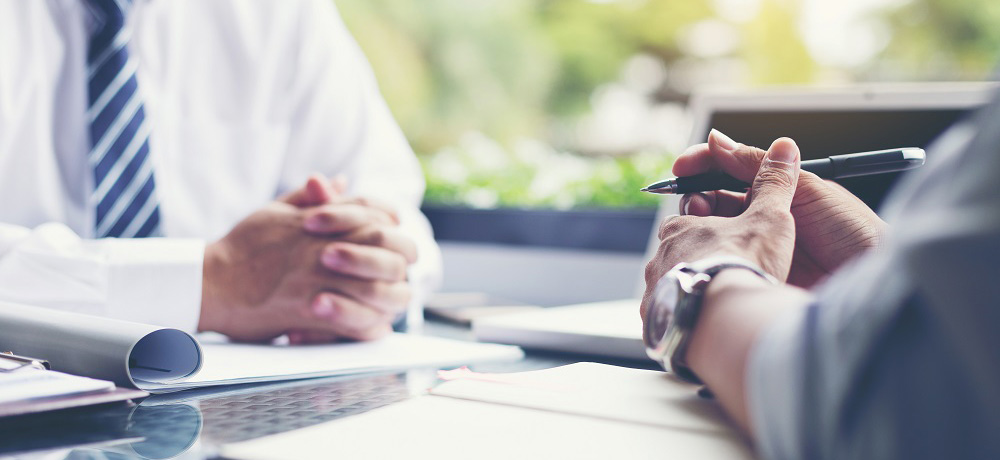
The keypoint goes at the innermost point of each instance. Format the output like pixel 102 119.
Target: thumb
pixel 316 191
pixel 339 184
pixel 319 191
pixel 774 185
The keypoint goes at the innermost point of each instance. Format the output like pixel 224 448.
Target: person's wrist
pixel 725 295
pixel 211 317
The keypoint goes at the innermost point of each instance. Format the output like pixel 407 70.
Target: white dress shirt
pixel 246 99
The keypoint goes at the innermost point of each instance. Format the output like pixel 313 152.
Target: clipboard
pixel 13 363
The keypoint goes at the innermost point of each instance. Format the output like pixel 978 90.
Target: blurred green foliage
pixel 773 48
pixel 527 71
pixel 943 40
pixel 447 67
pixel 593 40
pixel 608 182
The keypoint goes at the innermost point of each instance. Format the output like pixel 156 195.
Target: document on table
pixel 579 411
pixel 26 389
pixel 128 354
pixel 160 360
pixel 34 384
pixel 230 363
pixel 595 390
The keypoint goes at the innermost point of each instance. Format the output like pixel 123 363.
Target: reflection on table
pixel 167 426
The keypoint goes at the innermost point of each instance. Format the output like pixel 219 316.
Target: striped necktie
pixel 124 190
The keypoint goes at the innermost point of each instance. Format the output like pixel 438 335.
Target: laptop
pixel 823 122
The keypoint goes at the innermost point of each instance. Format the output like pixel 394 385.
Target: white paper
pixel 229 363
pixel 446 427
pixel 439 428
pixel 30 384
pixel 598 390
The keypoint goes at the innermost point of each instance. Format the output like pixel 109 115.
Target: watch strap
pixel 689 309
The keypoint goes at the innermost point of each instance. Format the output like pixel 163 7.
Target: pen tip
pixel 644 189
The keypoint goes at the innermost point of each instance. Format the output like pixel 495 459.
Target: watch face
pixel 661 311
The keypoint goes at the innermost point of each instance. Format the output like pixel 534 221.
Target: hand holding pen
pixel 832 225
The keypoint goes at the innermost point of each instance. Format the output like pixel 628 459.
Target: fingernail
pixel 315 223
pixel 323 308
pixel 724 141
pixel 783 150
pixel 686 205
pixel 331 257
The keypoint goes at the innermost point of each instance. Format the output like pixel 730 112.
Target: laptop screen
pixel 831 132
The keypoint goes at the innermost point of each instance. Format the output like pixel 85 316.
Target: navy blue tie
pixel 124 189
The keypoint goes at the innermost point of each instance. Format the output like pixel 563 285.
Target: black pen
pixel 834 167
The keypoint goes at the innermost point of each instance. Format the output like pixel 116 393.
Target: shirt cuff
pixel 156 281
pixel 425 275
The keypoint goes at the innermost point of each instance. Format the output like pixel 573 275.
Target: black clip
pixel 22 362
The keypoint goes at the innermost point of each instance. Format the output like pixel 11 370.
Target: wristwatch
pixel 673 309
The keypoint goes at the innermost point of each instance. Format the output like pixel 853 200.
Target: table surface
pixel 193 424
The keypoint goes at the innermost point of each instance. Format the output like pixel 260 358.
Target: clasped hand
pixel 314 265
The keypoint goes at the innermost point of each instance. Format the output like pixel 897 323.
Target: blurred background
pixel 565 104
pixel 537 121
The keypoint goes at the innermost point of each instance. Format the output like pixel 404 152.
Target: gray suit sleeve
pixel 898 357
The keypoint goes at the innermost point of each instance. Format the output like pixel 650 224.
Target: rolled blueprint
pixel 129 354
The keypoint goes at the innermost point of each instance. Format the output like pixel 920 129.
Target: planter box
pixel 604 230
